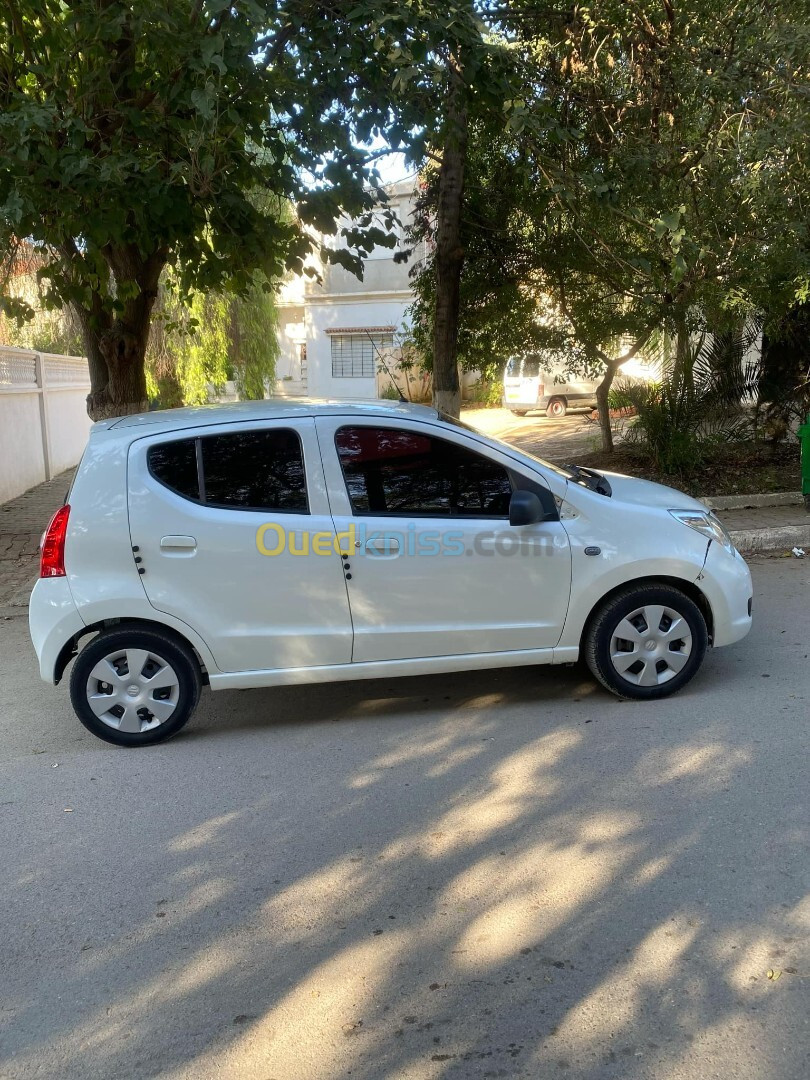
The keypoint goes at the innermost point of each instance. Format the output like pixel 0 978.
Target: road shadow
pixel 502 874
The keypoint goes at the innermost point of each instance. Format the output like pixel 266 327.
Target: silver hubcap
pixel 133 690
pixel 651 645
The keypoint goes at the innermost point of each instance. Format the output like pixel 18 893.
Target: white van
pixel 528 385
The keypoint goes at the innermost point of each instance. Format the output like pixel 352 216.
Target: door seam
pixel 352 554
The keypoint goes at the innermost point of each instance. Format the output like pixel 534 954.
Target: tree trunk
pixel 684 356
pixel 612 365
pixel 117 373
pixel 116 347
pixel 116 359
pixel 602 395
pixel 449 257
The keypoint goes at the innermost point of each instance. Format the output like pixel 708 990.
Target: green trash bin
pixel 804 437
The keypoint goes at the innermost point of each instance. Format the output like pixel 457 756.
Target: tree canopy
pixel 630 164
pixel 650 169
pixel 136 135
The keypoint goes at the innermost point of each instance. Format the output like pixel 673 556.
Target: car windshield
pixel 561 470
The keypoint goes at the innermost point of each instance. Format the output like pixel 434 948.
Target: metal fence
pixel 43 416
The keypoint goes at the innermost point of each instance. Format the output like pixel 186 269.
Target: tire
pixel 557 408
pixel 519 412
pixel 173 695
pixel 664 663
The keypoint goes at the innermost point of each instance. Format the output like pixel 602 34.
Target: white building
pixel 333 331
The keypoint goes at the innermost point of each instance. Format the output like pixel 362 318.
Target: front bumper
pixel 726 583
pixel 52 621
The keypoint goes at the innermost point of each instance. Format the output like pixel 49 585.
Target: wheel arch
pixel 71 647
pixel 688 588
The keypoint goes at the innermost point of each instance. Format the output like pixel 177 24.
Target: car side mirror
pixel 525 508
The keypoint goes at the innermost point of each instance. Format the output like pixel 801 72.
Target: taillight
pixel 540 391
pixel 52 548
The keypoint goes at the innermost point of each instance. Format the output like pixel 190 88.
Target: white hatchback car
pixel 268 543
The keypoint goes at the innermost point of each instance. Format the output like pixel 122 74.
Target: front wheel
pixel 646 642
pixel 134 687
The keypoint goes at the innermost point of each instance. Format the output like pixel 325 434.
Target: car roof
pixel 269 409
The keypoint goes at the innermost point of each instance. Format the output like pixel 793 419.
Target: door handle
pixel 382 545
pixel 178 543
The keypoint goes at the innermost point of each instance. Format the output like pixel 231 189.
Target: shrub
pixel 487 392
pixel 390 393
pixel 697 405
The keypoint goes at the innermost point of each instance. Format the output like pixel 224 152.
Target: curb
pixel 752 502
pixel 754 541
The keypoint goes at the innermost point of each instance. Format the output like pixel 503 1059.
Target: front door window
pixel 390 471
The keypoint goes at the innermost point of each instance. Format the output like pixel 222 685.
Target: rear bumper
pixel 726 584
pixel 525 406
pixel 52 621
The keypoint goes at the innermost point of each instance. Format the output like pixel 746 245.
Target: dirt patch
pixel 739 469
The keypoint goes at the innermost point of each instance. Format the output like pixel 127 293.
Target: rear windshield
pixel 527 367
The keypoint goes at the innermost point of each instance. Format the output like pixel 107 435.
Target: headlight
pixel 707 525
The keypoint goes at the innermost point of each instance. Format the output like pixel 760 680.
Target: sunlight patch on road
pixel 615 1003
pixel 320 1023
pixel 539 889
pixel 708 767
pixel 205 833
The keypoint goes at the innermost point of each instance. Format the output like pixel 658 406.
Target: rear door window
pixel 240 470
pixel 255 470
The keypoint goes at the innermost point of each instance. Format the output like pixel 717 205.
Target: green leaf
pixel 202 100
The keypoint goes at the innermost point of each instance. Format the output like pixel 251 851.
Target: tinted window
pixel 175 465
pixel 391 471
pixel 255 470
pixel 531 367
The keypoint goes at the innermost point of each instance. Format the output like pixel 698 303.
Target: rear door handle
pixel 178 543
pixel 382 545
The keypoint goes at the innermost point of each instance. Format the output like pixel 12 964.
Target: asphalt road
pixel 504 874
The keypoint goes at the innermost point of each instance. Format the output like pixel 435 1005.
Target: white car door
pixel 433 566
pixel 204 505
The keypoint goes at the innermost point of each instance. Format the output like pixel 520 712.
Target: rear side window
pixel 255 470
pixel 175 465
pixel 240 470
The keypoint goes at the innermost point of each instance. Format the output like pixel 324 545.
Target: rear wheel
pixel 557 407
pixel 519 412
pixel 135 687
pixel 646 642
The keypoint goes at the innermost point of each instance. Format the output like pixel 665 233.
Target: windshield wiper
pixel 590 478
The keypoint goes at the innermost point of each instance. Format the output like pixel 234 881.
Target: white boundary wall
pixel 43 417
